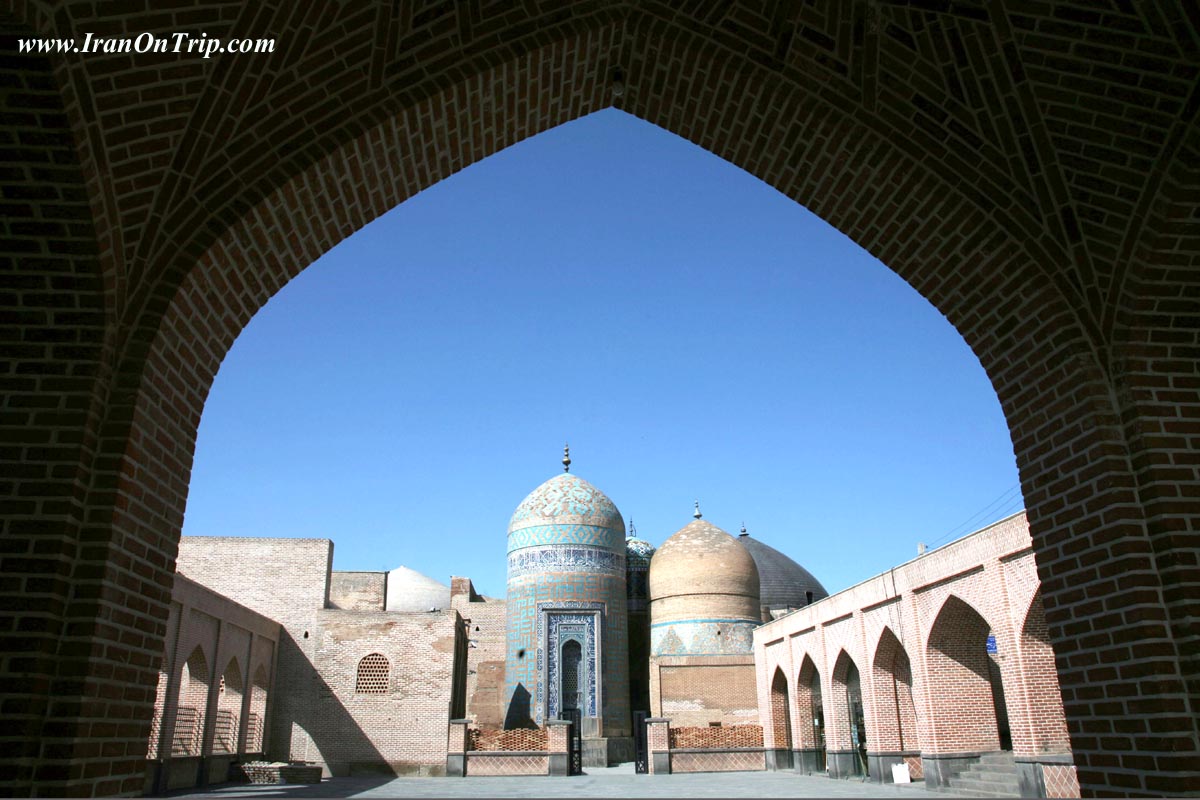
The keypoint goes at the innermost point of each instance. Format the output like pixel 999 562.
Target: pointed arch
pixel 895 712
pixel 958 666
pixel 781 712
pixel 847 734
pixel 257 717
pixel 229 710
pixel 1045 731
pixel 810 715
pixel 188 737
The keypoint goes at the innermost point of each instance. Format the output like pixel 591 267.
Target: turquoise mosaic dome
pixel 638 552
pixel 572 508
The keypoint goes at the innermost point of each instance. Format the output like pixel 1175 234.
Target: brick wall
pixel 486 643
pixel 404 726
pixel 918 635
pixel 358 591
pixel 1028 169
pixel 218 668
pixel 697 690
pixel 515 739
pixel 717 736
pixel 289 584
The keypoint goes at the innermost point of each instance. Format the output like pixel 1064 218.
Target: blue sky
pixel 690 331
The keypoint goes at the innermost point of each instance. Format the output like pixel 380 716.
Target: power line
pixel 1011 500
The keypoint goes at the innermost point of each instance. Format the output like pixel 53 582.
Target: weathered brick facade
pixel 1031 169
pixel 911 648
pixel 217 675
pixel 388 714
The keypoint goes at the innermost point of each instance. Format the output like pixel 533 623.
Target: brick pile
pixel 717 737
pixel 517 740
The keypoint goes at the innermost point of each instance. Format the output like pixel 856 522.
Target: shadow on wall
pixel 519 715
pixel 306 701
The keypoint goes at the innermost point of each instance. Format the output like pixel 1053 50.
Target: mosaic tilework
pixel 569 497
pixel 638 553
pixel 703 637
pixel 559 533
pixel 561 626
pixel 526 632
pixel 558 558
pixel 566 579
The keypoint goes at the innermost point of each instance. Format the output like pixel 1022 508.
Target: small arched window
pixel 373 675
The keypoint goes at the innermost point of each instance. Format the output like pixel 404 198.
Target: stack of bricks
pixel 723 737
pixel 519 739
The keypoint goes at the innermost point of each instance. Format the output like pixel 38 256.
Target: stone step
pixel 990 774
pixel 1000 757
pixel 986 786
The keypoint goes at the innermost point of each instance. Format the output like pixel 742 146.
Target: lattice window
pixel 372 675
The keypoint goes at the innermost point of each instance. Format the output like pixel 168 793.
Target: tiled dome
pixel 638 552
pixel 567 499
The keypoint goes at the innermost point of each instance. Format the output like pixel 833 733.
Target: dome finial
pixel 566 458
pixel 744 528
pixel 696 514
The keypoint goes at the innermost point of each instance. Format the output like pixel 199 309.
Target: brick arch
pixel 901 159
pixel 256 727
pixel 781 710
pixel 845 678
pixel 1043 728
pixel 191 714
pixel 227 725
pixel 894 713
pixel 809 705
pixel 957 665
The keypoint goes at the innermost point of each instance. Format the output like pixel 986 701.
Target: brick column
pixel 456 748
pixel 658 745
pixel 559 745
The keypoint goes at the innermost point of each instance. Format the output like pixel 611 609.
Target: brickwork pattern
pixel 1060 780
pixel 698 690
pixel 781 709
pixel 532 764
pixel 361 591
pixel 486 644
pixel 202 711
pixel 1030 169
pixel 717 737
pixel 405 726
pixel 290 584
pixel 925 641
pixel 893 710
pixel 718 762
pixel 515 739
pixel 808 707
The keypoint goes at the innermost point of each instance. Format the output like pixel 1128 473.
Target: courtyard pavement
pixel 619 781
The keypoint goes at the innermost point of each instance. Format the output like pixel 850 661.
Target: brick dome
pixel 702 572
pixel 784 585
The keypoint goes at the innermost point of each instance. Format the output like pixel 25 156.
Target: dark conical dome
pixel 783 584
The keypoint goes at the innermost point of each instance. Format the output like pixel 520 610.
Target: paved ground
pixel 612 782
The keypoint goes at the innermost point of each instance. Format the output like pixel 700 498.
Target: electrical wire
pixel 1010 501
